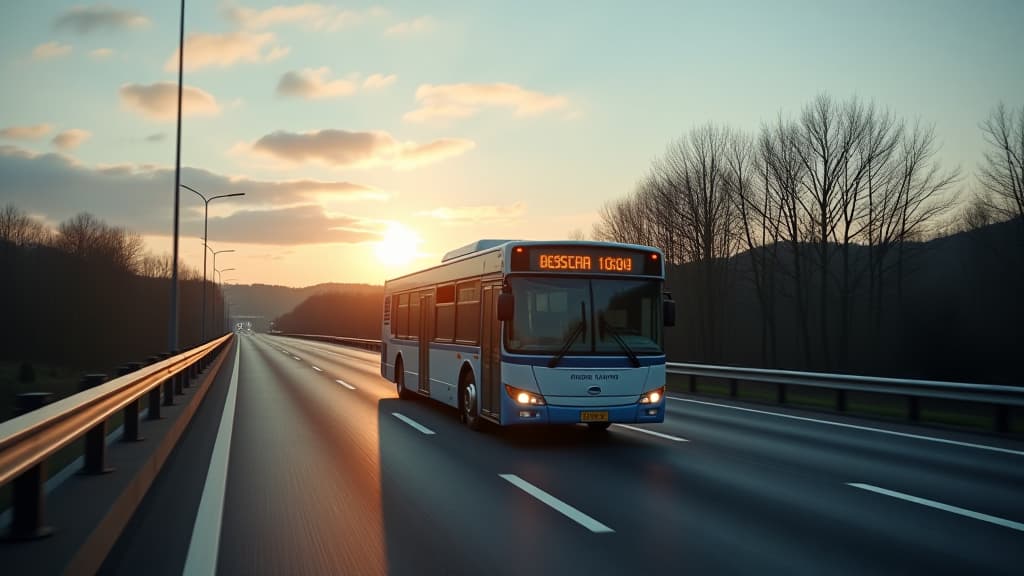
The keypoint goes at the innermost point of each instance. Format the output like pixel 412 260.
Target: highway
pixel 303 461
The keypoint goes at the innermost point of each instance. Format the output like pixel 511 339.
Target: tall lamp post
pixel 206 217
pixel 221 274
pixel 215 252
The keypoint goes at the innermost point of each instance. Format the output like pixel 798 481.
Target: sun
pixel 398 247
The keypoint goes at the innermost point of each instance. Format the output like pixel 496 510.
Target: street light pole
pixel 221 274
pixel 214 271
pixel 172 336
pixel 206 215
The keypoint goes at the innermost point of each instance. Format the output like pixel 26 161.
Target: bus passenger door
pixel 425 335
pixel 490 352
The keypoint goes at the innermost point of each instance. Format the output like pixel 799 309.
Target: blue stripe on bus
pixel 584 361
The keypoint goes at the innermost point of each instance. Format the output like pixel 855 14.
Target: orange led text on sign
pixel 615 264
pixel 564 262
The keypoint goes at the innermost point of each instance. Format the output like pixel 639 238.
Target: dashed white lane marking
pixel 565 509
pixel 856 427
pixel 652 433
pixel 413 423
pixel 346 384
pixel 317 368
pixel 205 544
pixel 940 506
pixel 296 358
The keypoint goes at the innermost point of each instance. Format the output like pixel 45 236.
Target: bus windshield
pixel 619 316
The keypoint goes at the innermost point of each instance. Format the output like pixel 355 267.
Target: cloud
pixel 50 50
pixel 315 16
pixel 285 212
pixel 33 132
pixel 87 19
pixel 159 101
pixel 477 214
pixel 290 226
pixel 100 53
pixel 421 24
pixel 312 84
pixel 70 139
pixel 343 149
pixel 464 100
pixel 377 81
pixel 224 50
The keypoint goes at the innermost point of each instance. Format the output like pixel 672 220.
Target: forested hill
pixel 351 311
pixel 270 301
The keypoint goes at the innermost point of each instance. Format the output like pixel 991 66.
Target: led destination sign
pixel 578 263
pixel 585 259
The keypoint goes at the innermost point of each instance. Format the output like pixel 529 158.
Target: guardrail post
pixel 693 383
pixel 913 408
pixel 28 500
pixel 95 438
pixel 154 395
pixel 780 393
pixel 168 384
pixel 841 400
pixel 733 387
pixel 1002 418
pixel 131 411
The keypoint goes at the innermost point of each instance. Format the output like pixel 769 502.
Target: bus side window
pixel 467 315
pixel 402 316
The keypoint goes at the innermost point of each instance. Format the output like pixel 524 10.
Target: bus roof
pixel 488 256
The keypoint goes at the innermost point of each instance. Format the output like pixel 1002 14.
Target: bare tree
pixel 576 234
pixel 1002 172
pixel 90 239
pixel 20 229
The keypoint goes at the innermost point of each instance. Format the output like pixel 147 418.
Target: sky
pixel 370 138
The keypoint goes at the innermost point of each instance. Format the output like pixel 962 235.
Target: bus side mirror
pixel 668 312
pixel 506 306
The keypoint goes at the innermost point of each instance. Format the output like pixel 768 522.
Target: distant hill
pixel 270 301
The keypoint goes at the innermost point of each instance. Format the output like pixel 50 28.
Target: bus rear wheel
pixel 468 401
pixel 403 393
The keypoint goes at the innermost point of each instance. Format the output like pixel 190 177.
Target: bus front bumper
pixel 513 414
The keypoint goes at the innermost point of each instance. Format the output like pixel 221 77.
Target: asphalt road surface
pixel 303 461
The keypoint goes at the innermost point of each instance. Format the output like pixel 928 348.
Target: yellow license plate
pixel 593 416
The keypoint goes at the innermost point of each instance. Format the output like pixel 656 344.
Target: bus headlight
pixel 524 398
pixel 653 397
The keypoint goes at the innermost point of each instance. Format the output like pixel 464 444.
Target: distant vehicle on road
pixel 526 332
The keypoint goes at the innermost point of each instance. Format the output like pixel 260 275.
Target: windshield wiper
pixel 615 332
pixel 580 328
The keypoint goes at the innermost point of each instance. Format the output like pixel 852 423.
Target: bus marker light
pixel 652 411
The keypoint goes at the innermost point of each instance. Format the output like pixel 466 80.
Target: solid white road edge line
pixel 565 509
pixel 856 427
pixel 412 423
pixel 346 384
pixel 652 433
pixel 940 506
pixel 202 550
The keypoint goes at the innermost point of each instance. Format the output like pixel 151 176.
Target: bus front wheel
pixel 468 395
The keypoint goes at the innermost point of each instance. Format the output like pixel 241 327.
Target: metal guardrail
pixel 372 345
pixel 1002 398
pixel 26 441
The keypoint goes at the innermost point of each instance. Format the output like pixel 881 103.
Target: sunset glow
pixel 398 247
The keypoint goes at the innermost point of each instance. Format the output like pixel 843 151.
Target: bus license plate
pixel 593 416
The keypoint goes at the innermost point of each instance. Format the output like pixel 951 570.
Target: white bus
pixel 524 332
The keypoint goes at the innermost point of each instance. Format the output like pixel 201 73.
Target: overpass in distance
pixel 301 459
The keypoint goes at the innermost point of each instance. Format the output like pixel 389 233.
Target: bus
pixel 529 332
